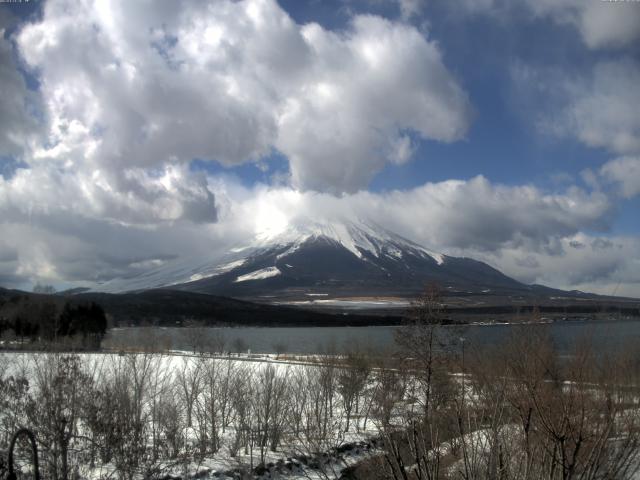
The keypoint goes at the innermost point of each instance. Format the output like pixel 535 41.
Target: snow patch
pixel 230 266
pixel 197 276
pixel 259 274
pixel 217 270
pixel 295 246
pixel 394 252
pixel 438 257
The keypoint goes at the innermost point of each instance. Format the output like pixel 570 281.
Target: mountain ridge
pixel 315 256
pixel 317 259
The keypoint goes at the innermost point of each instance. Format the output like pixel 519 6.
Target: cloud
pixel 147 198
pixel 598 109
pixel 482 216
pixel 411 8
pixel 535 236
pixel 371 85
pixel 18 105
pixel 602 265
pixel 601 24
pixel 67 250
pixel 166 84
pixel 8 264
pixel 605 24
pixel 452 216
pixel 64 228
pixel 532 235
pixel 588 96
pixel 624 172
pixel 66 240
pixel 601 111
pixel 576 244
pixel 96 181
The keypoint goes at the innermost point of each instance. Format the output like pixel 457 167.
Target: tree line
pixel 47 320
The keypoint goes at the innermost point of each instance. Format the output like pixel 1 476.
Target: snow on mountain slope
pixel 259 274
pixel 314 254
pixel 357 237
pixel 176 272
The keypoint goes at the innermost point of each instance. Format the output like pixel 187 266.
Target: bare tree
pixel 170 424
pixel 189 380
pixel 196 338
pixel 321 430
pixel 270 407
pixel 62 387
pixel 412 399
pixel 241 394
pixel 215 341
pixel 14 397
pixel 320 433
pixel 299 398
pixel 127 426
pixel 422 342
pixel 519 412
pixel 215 400
pixel 352 379
pixel 240 345
pixel 160 388
pixel 533 415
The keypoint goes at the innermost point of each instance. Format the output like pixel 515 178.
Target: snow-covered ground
pixel 302 401
pixel 296 456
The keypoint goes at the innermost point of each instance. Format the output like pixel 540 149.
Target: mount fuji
pixel 321 258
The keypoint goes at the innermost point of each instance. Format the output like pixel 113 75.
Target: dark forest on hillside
pixel 46 319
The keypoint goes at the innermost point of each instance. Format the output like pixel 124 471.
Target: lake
pixel 608 335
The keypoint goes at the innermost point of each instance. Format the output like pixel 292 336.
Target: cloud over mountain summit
pixel 133 133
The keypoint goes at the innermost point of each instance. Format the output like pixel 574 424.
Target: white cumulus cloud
pixel 624 172
pixel 138 85
pixel 598 108
pixel 130 93
pixel 18 105
pixel 601 24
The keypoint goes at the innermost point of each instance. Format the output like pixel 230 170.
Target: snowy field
pixel 194 416
pixel 199 416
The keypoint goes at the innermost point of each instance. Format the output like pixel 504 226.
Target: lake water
pixel 608 335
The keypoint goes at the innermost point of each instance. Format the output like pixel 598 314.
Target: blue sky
pixel 502 143
pixel 152 125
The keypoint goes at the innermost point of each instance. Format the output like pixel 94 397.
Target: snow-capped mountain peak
pixel 316 255
pixel 356 236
